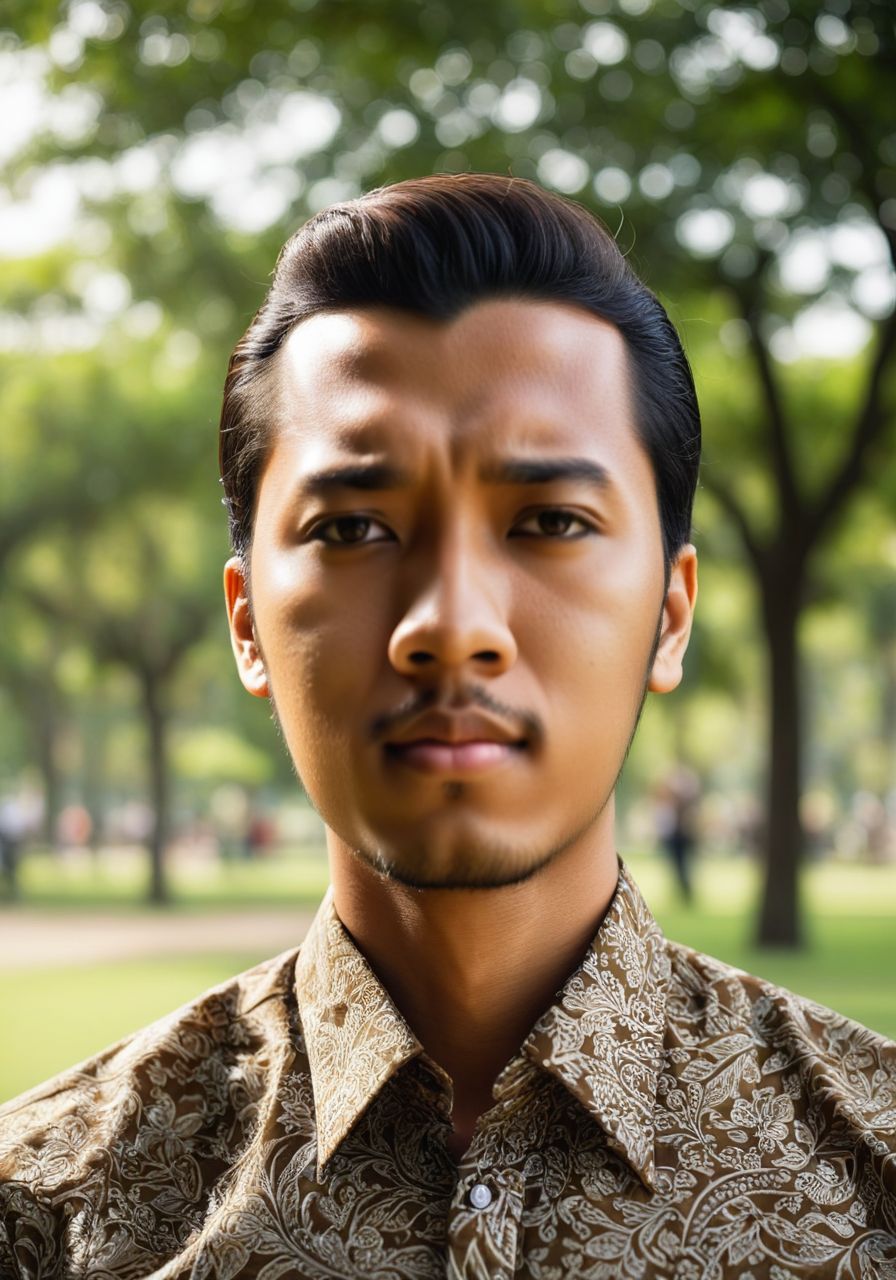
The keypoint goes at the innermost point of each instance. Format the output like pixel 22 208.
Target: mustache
pixel 465 697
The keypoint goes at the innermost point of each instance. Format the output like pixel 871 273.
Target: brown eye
pixel 555 523
pixel 350 531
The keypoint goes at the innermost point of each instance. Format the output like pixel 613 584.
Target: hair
pixel 433 246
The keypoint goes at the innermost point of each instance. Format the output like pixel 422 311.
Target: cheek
pixel 608 611
pixel 592 648
pixel 322 648
pixel 320 678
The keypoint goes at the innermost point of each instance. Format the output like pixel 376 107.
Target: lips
pixel 461 743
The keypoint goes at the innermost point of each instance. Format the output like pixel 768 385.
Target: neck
pixel 471 970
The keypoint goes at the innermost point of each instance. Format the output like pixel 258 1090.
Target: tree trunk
pixel 888 745
pixel 93 729
pixel 157 735
pixel 888 714
pixel 45 724
pixel 780 917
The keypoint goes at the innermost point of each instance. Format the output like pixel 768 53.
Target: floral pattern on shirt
pixel 668 1116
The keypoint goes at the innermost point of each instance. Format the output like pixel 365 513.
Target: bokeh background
pixel 154 156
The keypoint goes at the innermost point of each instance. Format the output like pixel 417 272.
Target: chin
pixel 461 872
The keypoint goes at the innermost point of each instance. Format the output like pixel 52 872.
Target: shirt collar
pixel 355 1037
pixel 603 1037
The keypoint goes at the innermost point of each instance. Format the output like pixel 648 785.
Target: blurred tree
pixel 861 576
pixel 143 607
pixel 751 147
pixel 30 652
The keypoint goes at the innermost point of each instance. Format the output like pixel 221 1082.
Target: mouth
pixel 435 756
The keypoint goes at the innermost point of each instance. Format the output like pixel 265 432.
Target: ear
pixel 242 632
pixel 678 615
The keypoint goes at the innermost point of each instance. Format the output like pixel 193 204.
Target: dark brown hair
pixel 433 246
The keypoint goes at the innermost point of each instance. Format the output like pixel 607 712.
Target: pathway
pixel 31 938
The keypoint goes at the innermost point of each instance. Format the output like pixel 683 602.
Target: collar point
pixel 647 1174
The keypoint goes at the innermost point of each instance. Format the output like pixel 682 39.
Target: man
pixel 459 448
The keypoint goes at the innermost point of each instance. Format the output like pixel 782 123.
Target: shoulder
pixel 833 1056
pixel 235 1016
pixel 177 1095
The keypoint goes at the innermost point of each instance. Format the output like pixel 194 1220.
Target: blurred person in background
pixel 677 810
pixel 14 828
pixel 459 449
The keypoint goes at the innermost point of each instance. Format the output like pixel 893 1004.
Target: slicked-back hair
pixel 433 246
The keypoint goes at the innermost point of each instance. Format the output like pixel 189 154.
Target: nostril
pixel 420 657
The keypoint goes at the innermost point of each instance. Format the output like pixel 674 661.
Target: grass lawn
pixel 53 1017
pixel 117 881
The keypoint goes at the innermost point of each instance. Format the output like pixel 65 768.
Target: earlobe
pixel 678 617
pixel 246 650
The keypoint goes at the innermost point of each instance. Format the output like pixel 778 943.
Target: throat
pixel 465 1115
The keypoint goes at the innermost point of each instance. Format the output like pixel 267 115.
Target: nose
pixel 456 617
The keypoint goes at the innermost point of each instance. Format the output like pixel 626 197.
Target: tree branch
pixel 784 471
pixel 818 89
pixel 870 426
pixel 732 507
pixel 34 515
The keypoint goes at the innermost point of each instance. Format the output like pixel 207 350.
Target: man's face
pixel 463 595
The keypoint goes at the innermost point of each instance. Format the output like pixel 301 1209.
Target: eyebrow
pixel 376 475
pixel 545 470
pixel 518 471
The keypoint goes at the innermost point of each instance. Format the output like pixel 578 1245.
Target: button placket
pixel 484 1225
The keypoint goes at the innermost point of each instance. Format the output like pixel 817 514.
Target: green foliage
pixel 211 129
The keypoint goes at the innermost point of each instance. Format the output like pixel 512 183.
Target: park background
pixel 154 156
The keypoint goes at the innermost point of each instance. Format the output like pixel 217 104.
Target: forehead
pixel 506 379
pixel 382 343
pixel 499 364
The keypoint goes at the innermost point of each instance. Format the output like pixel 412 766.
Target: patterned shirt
pixel 668 1116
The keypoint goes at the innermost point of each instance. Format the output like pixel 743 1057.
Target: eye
pixel 555 523
pixel 351 531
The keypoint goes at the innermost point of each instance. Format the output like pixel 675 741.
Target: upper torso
pixel 667 1117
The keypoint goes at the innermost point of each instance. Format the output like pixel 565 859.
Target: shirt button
pixel 480 1196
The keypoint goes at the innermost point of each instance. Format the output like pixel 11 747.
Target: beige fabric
pixel 668 1116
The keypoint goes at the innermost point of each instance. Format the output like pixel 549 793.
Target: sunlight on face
pixel 457 518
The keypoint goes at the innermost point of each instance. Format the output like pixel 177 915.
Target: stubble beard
pixel 506 867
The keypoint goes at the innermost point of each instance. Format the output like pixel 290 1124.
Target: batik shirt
pixel 667 1116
